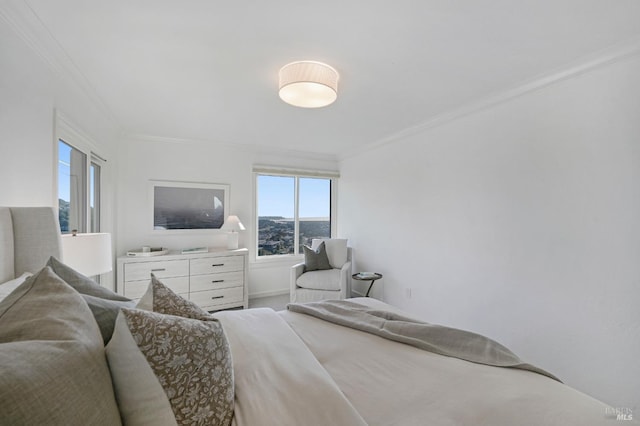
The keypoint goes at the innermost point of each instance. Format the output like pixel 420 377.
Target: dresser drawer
pixel 161 269
pixel 210 298
pixel 216 281
pixel 135 289
pixel 213 280
pixel 211 265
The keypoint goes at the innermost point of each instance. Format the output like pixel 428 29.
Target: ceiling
pixel 208 70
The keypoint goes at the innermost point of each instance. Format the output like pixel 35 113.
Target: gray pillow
pixel 53 368
pixel 104 303
pixel 316 260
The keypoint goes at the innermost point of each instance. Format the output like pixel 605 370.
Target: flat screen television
pixel 185 206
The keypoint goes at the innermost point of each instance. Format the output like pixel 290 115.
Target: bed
pixel 289 368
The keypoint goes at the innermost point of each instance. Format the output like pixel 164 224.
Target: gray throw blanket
pixel 430 337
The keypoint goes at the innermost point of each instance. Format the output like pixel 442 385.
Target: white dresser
pixel 214 280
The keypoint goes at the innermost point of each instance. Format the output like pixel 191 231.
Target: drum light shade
pixel 308 84
pixel 89 254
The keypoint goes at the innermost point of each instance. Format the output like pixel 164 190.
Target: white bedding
pixel 294 369
pixel 278 381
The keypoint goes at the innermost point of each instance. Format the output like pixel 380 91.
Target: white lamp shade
pixel 308 84
pixel 89 254
pixel 233 224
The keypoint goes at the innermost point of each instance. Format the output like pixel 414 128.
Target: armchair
pixel 334 283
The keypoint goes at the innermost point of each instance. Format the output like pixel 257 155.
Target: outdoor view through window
pixel 78 191
pixel 276 213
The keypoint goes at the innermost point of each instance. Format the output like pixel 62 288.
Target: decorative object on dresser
pixel 233 226
pixel 193 250
pixel 147 251
pixel 213 280
pixel 89 254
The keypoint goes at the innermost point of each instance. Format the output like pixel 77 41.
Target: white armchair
pixel 332 283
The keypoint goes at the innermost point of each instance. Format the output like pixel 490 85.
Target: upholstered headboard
pixel 28 236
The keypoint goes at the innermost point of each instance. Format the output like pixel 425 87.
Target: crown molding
pixel 27 25
pixel 594 61
pixel 253 148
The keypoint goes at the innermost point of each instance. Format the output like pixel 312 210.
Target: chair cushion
pixel 316 259
pixel 53 369
pixel 336 250
pixel 328 279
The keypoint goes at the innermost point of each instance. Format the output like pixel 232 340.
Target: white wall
pixel 142 160
pixel 520 222
pixel 31 95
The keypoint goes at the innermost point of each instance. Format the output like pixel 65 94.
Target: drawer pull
pixel 217 297
pixel 217 264
pixel 217 281
pixel 158 269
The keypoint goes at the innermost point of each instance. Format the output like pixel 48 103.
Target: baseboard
pixel 269 293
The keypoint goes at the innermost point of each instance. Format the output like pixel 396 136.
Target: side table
pixel 367 276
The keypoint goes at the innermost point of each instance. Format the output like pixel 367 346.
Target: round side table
pixel 367 276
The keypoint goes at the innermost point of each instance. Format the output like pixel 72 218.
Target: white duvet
pixel 294 369
pixel 278 381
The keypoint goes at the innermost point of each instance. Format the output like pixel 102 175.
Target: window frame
pixel 67 133
pixel 95 194
pixel 332 176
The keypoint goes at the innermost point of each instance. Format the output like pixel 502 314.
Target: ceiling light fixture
pixel 308 84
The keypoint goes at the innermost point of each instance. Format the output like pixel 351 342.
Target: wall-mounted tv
pixel 185 206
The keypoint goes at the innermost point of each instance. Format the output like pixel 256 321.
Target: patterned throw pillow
pixel 160 298
pixel 172 366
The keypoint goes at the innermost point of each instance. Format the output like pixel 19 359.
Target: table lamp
pixel 233 225
pixel 89 254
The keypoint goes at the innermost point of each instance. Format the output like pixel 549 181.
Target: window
pixel 314 210
pixel 291 211
pixel 79 178
pixel 94 196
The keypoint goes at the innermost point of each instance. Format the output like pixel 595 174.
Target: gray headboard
pixel 28 236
